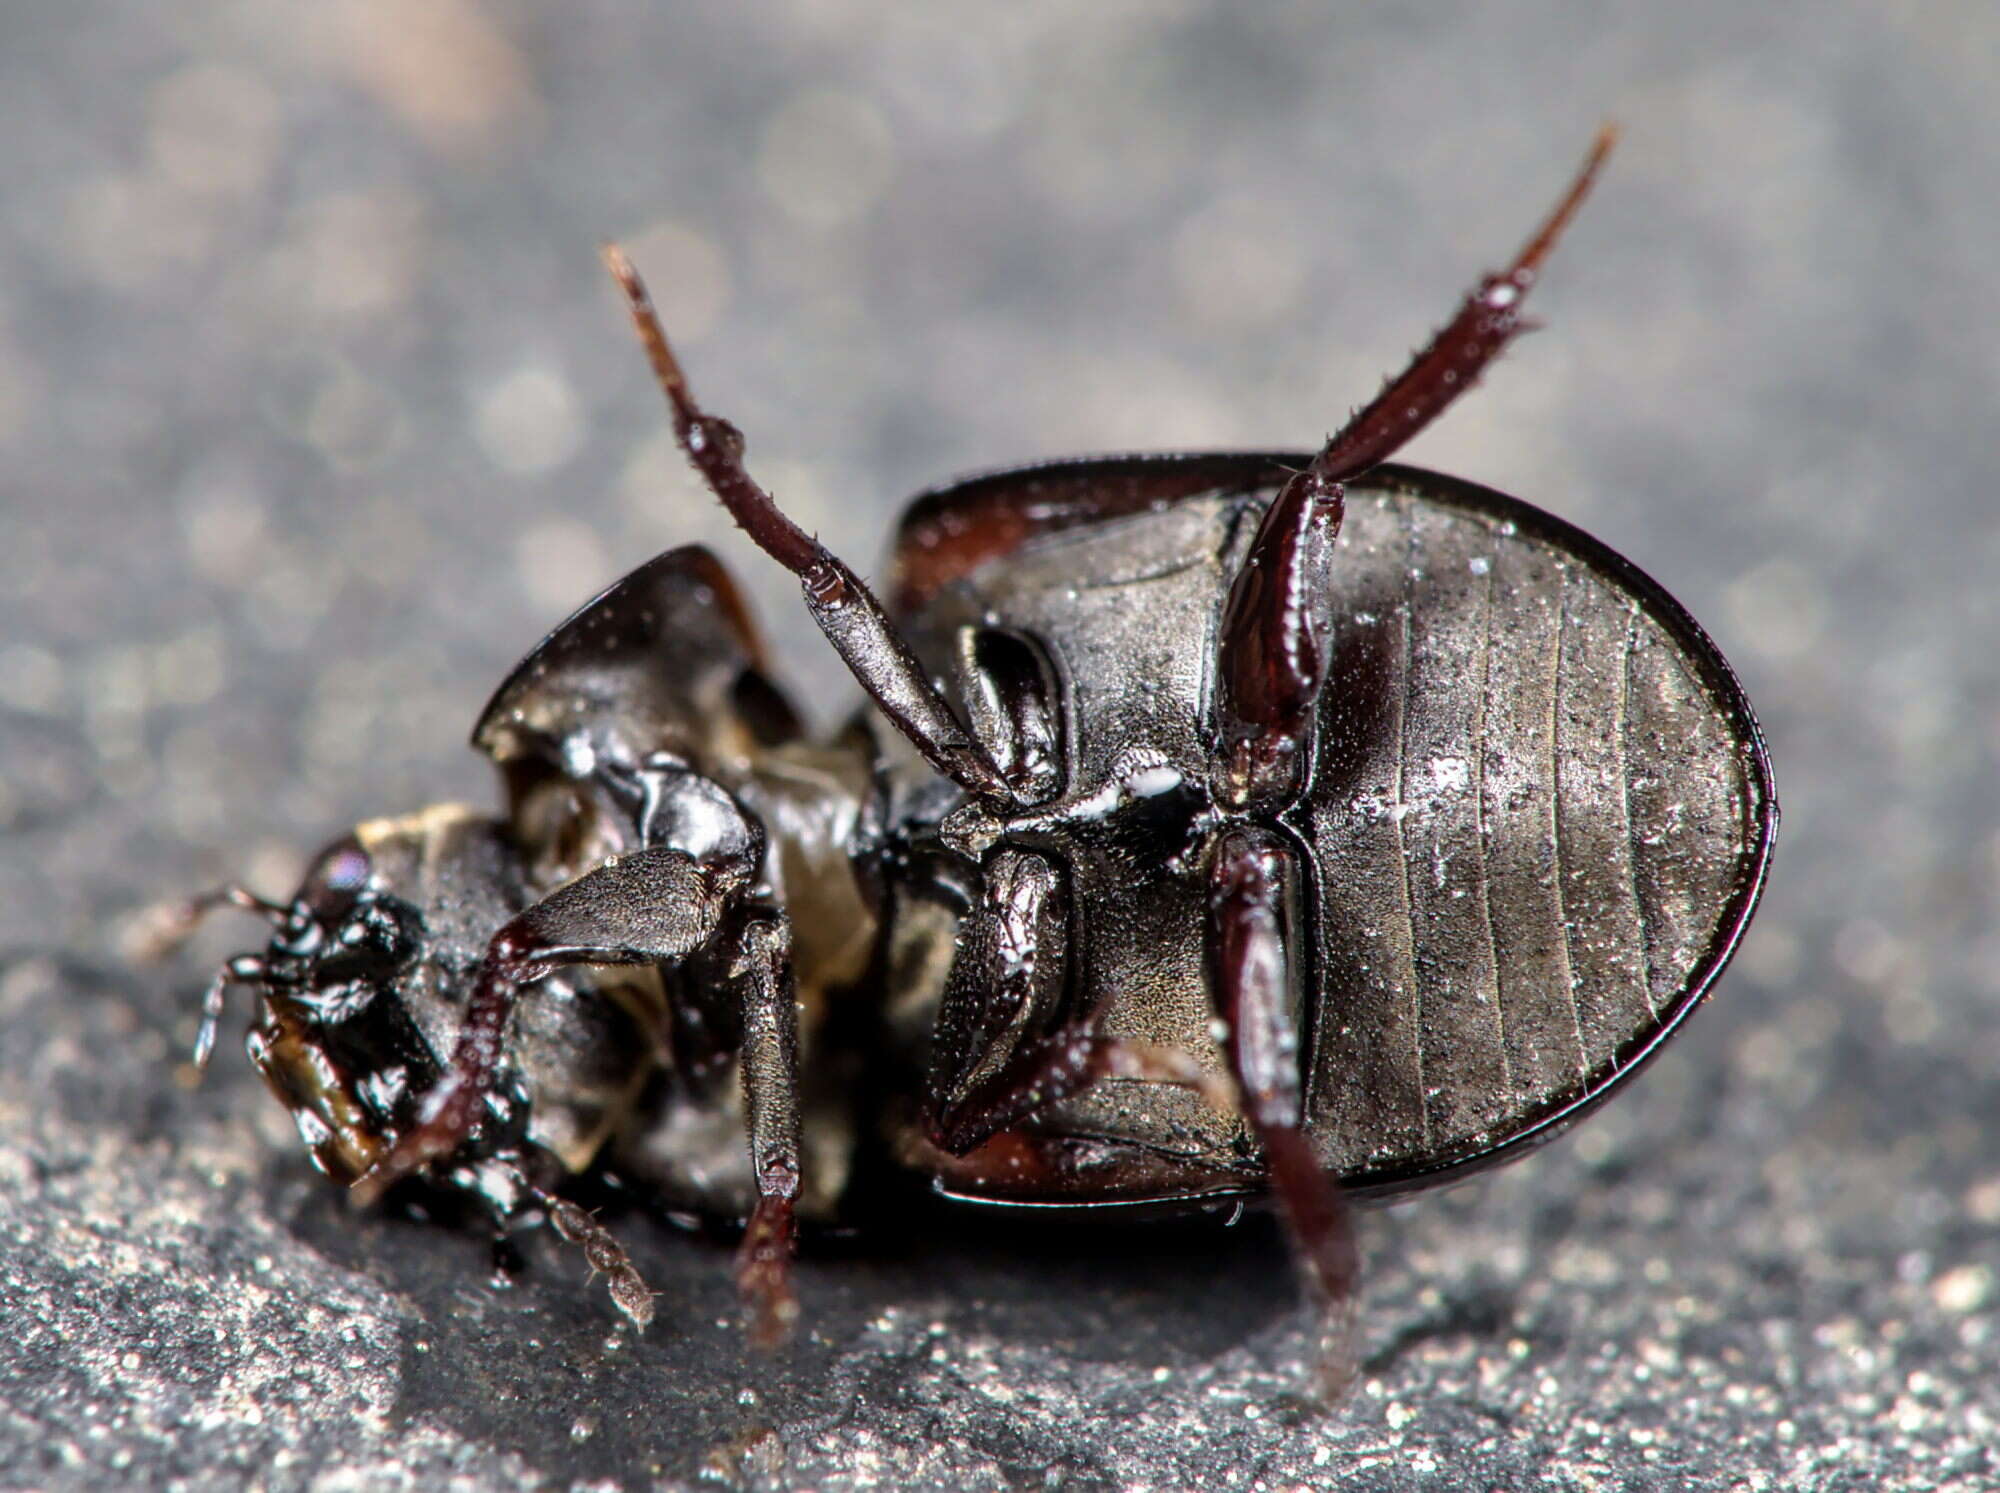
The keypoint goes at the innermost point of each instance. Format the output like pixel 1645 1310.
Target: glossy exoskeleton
pixel 1244 824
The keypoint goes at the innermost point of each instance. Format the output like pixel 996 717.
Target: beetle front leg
pixel 652 906
pixel 762 972
pixel 1253 975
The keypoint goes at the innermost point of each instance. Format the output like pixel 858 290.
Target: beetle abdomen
pixel 1540 815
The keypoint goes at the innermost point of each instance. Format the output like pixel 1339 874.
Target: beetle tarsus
pixel 606 1255
pixel 1451 363
pixel 764 1272
pixel 1322 1233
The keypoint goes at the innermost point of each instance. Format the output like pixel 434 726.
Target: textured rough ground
pixel 313 412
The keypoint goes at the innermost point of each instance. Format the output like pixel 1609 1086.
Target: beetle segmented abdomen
pixel 1540 814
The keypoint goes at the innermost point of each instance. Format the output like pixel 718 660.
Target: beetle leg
pixel 770 1067
pixel 1487 321
pixel 1253 978
pixel 165 926
pixel 602 1249
pixel 1059 1066
pixel 846 611
pixel 1274 630
pixel 1274 627
pixel 244 969
pixel 994 1060
pixel 653 906
pixel 1007 977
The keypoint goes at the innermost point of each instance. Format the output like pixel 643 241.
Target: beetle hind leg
pixel 1001 1052
pixel 1253 976
pixel 1047 1070
pixel 1275 624
pixel 1274 634
pixel 1487 320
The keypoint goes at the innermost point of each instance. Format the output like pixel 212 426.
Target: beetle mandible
pixel 1246 824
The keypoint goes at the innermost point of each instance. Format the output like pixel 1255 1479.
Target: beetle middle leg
pixel 845 609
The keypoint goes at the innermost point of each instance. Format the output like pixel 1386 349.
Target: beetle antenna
pixel 244 969
pixel 847 612
pixel 163 927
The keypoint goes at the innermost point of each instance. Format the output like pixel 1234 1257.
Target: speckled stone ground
pixel 314 411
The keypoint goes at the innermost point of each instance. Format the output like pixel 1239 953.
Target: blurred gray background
pixel 316 410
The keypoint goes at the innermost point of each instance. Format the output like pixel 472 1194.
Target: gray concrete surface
pixel 315 410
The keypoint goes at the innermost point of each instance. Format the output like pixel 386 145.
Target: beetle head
pixel 365 970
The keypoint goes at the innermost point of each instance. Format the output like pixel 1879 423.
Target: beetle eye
pixel 338 877
pixel 1011 698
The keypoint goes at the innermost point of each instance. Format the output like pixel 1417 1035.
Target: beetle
pixel 1223 826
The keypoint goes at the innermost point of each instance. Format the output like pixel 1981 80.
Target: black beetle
pixel 1253 823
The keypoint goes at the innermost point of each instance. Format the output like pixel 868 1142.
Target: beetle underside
pixel 654 832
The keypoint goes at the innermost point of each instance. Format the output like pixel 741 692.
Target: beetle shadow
pixel 1140 1294
pixel 534 1361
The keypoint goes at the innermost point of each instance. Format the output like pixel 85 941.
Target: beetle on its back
pixel 1250 823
